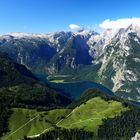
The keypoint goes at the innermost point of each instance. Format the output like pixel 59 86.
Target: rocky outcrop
pixel 136 137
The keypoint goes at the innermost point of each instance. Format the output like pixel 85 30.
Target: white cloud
pixel 74 27
pixel 119 23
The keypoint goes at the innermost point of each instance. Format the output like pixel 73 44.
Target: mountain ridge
pixel 107 58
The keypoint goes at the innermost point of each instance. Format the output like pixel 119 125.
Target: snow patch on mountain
pixel 19 35
pixel 98 42
pixel 136 60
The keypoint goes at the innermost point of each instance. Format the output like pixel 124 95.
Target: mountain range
pixel 110 58
pixel 32 65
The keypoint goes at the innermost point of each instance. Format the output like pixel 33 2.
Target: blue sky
pixel 42 16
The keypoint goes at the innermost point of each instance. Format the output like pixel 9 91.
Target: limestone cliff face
pixel 136 137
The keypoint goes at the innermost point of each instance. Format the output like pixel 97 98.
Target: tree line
pixel 124 126
pixel 64 134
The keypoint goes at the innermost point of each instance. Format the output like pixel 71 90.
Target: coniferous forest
pixel 64 134
pixel 125 125
pixel 4 114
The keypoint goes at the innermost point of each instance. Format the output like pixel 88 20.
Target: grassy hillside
pixel 26 122
pixel 88 116
pixel 31 122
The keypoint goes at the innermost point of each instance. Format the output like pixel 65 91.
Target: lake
pixel 75 89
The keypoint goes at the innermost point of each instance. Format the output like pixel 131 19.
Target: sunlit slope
pixel 88 113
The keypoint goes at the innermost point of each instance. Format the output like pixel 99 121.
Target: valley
pixel 69 70
pixel 79 85
pixel 81 56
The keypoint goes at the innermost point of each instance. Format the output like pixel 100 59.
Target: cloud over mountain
pixel 74 27
pixel 119 23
